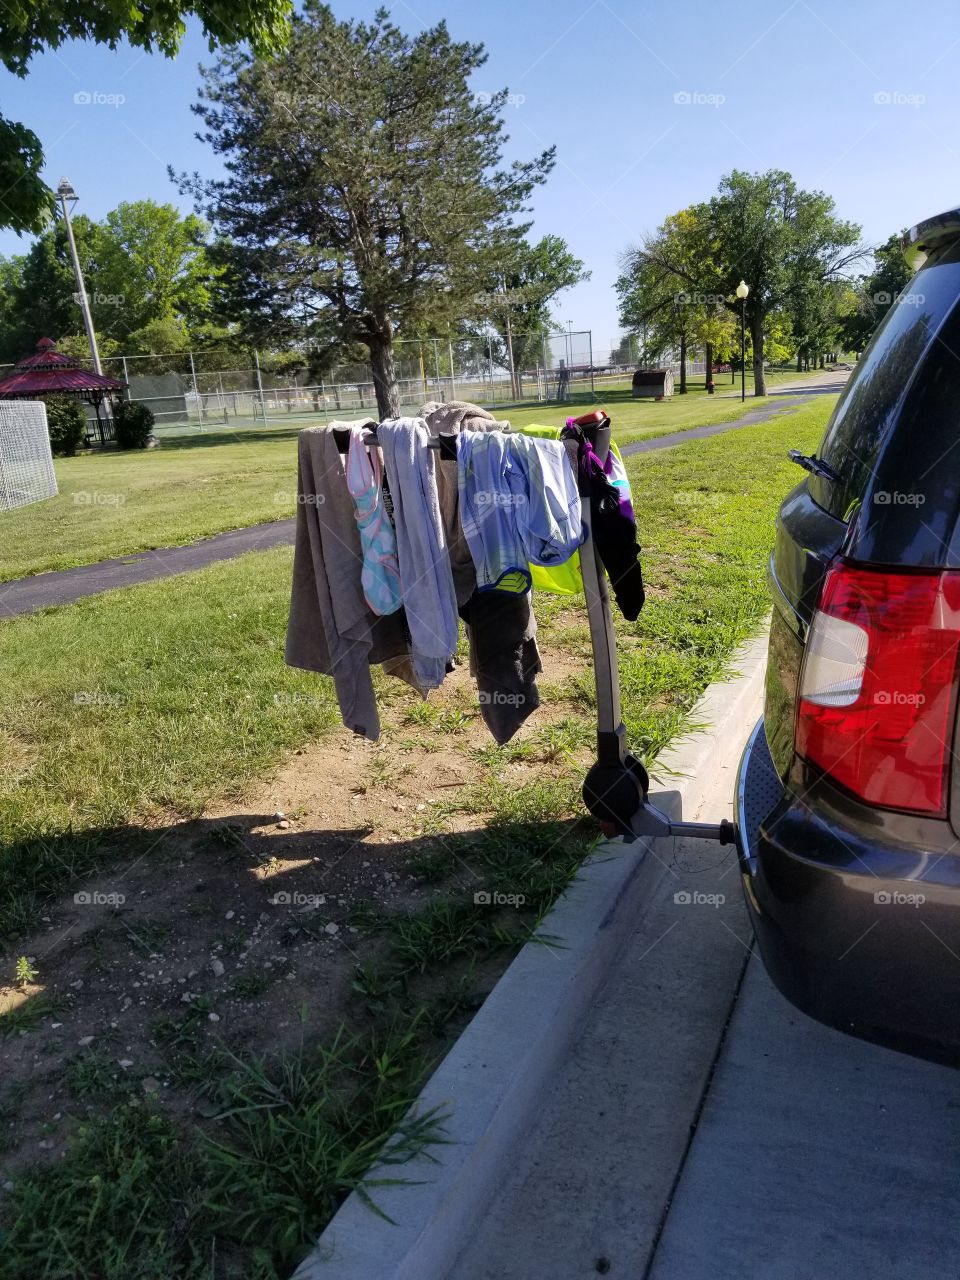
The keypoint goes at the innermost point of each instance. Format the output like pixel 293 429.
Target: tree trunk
pixel 708 365
pixel 756 337
pixel 384 375
pixel 799 361
pixel 683 365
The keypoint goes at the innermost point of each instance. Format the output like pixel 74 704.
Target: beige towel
pixel 331 629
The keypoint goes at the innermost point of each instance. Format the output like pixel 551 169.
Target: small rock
pixel 213 1017
pixel 283 824
pixel 331 928
pixel 150 1084
pixel 279 815
pixel 217 968
pixel 126 1062
pixel 55 1026
pixel 45 1145
pixel 229 915
pixel 77 985
pixel 84 1041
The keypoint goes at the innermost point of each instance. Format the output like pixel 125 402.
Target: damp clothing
pixel 380 575
pixel 519 505
pixel 426 578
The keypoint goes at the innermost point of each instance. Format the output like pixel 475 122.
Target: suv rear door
pixel 890 491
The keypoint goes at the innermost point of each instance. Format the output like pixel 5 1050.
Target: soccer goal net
pixel 26 463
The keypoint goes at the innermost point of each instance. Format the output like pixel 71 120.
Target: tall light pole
pixel 68 198
pixel 742 290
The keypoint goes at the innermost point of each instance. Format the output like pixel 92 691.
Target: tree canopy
pixel 144 265
pixel 365 192
pixel 30 26
pixel 516 305
pixel 762 228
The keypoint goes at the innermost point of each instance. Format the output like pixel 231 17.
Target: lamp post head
pixel 742 290
pixel 65 189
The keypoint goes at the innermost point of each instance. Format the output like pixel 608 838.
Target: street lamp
pixel 68 198
pixel 742 290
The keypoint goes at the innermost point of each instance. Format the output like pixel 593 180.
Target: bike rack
pixel 616 787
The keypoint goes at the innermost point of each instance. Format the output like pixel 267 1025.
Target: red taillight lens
pixel 877 690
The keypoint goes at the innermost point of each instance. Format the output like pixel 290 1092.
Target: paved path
pixel 43 590
pixel 25 595
pixel 704 1129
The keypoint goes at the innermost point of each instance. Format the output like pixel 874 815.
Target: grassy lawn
pixel 118 504
pixel 123 713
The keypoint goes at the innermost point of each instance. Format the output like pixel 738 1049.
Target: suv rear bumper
pixel 861 935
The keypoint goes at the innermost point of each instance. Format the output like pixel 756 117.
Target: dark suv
pixel 848 798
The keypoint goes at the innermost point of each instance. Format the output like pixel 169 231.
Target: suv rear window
pixel 869 404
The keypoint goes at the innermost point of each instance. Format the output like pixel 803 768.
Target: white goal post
pixel 26 462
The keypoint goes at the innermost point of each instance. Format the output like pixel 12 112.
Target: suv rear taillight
pixel 877 689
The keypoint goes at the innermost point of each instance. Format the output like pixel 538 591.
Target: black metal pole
pixel 743 349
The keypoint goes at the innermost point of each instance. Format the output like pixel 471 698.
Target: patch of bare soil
pixel 243 930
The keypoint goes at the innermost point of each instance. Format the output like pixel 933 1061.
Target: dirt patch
pixel 246 930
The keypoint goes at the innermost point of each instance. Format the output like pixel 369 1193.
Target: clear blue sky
pixel 773 84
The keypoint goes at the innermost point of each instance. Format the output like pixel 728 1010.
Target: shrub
pixel 132 424
pixel 66 423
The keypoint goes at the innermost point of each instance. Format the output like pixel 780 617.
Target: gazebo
pixel 50 372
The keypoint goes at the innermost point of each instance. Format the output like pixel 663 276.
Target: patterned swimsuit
pixel 380 576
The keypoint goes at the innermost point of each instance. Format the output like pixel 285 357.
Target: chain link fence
pixel 223 389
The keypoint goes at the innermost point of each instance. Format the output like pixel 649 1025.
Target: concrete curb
pixel 489 1084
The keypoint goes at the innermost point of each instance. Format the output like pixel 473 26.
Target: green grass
pixel 159 697
pixel 116 504
pixel 185 674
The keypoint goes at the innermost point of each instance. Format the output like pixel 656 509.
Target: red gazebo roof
pixel 50 371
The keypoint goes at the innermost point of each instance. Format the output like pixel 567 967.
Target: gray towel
pixel 426 579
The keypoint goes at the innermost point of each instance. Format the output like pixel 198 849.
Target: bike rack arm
pixel 616 786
